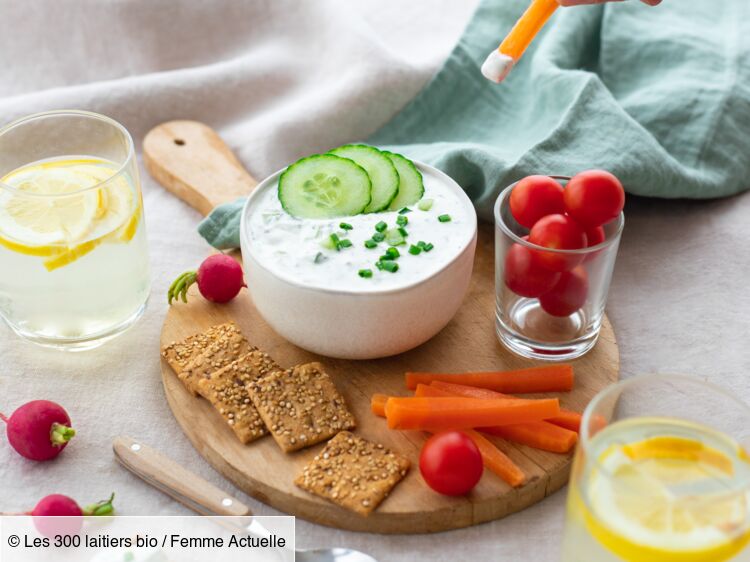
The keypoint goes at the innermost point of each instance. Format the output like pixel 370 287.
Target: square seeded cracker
pixel 300 406
pixel 226 389
pixel 354 473
pixel 223 347
pixel 180 353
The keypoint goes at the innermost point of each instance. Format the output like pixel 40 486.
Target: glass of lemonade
pixel 661 474
pixel 73 253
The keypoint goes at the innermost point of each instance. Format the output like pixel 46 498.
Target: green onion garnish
pixel 404 211
pixel 444 218
pixel 427 247
pixel 366 273
pixel 415 250
pixel 345 243
pixel 371 244
pixel 336 241
pixel 402 220
pixel 391 266
pixel 403 231
pixel 425 204
pixel 345 226
pixel 393 253
pixel 320 258
pixel 381 226
pixel 378 237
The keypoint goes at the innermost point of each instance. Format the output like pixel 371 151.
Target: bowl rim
pixel 367 292
pixel 502 225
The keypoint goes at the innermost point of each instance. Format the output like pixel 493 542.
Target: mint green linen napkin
pixel 658 96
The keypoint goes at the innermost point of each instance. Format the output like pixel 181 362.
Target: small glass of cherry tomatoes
pixel 556 241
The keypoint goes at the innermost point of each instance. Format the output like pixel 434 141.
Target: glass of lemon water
pixel 661 474
pixel 74 269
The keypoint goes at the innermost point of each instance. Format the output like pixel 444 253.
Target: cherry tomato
pixel 535 197
pixel 524 275
pixel 568 295
pixel 561 233
pixel 594 236
pixel 594 198
pixel 450 463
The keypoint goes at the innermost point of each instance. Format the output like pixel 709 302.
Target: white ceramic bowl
pixel 359 324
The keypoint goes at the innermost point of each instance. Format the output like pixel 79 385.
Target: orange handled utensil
pixel 500 61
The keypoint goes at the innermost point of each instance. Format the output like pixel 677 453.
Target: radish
pixel 60 515
pixel 39 430
pixel 219 279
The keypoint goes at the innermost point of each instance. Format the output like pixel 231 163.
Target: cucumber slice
pixel 324 186
pixel 411 187
pixel 382 172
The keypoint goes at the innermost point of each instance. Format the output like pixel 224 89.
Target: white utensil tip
pixel 497 66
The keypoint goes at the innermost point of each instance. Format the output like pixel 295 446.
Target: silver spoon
pixel 203 497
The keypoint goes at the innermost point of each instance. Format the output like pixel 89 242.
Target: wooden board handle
pixel 174 480
pixel 189 159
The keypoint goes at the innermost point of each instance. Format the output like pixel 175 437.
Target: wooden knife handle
pixel 174 480
pixel 189 159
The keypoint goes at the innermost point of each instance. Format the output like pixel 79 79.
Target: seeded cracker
pixel 354 473
pixel 226 389
pixel 300 406
pixel 179 354
pixel 225 345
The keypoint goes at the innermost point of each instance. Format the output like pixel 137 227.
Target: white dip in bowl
pixel 314 296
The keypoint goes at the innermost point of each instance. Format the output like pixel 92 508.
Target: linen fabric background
pixel 280 79
pixel 661 98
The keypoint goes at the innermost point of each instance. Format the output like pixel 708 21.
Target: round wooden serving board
pixel 468 343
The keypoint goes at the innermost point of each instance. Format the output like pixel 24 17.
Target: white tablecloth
pixel 280 79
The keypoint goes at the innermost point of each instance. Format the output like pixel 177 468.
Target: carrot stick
pixel 492 457
pixel 464 413
pixel 567 419
pixel 495 460
pixel 527 27
pixel 377 404
pixel 551 378
pixel 540 435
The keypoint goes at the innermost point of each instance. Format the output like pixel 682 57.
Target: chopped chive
pixel 379 265
pixel 378 237
pixel 391 266
pixel 428 247
pixel 402 220
pixel 403 231
pixel 421 244
pixel 381 226
pixel 345 243
pixel 393 253
pixel 320 258
pixel 404 211
pixel 365 273
pixel 371 244
pixel 444 218
pixel 425 204
pixel 415 250
pixel 346 226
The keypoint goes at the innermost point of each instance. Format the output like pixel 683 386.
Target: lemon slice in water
pixel 65 228
pixel 667 499
pixel 48 207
